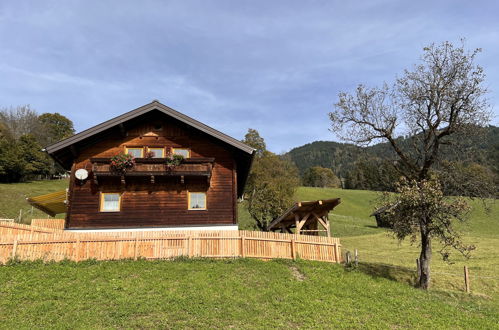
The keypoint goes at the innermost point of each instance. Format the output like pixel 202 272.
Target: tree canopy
pixel 442 97
pixel 271 184
pixel 253 139
pixel 23 134
pixel 320 177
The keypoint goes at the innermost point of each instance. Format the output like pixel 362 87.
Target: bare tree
pixel 440 99
pixel 19 121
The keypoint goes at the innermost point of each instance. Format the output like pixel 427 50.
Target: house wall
pixel 163 203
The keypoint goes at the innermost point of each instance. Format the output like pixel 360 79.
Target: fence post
pixel 77 250
pixel 190 247
pixel 466 279
pixel 14 249
pixel 418 268
pixel 136 249
pixel 242 247
pixel 336 253
pixel 293 249
pixel 347 256
pixel 356 256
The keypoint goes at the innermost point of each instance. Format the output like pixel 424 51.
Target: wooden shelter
pixel 380 215
pixel 306 217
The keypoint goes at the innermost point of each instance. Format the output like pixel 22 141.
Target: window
pixel 110 202
pixel 180 151
pixel 135 152
pixel 197 201
pixel 158 152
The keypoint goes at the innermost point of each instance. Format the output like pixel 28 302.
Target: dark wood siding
pixel 163 203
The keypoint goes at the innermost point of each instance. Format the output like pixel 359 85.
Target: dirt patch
pixel 297 274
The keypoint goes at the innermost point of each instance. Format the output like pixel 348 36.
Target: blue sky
pixel 276 66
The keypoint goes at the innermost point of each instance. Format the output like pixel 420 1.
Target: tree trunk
pixel 425 259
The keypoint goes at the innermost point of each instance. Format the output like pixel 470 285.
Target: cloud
pixel 276 66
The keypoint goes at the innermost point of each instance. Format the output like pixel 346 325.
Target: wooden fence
pixel 32 243
pixel 48 223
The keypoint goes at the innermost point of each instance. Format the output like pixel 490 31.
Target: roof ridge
pixel 155 104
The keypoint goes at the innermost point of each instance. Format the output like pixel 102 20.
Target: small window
pixel 181 151
pixel 135 152
pixel 158 127
pixel 158 152
pixel 110 202
pixel 197 201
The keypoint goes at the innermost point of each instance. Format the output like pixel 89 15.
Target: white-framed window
pixel 197 200
pixel 182 151
pixel 137 152
pixel 110 202
pixel 158 152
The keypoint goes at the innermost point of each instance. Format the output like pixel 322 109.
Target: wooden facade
pixel 153 194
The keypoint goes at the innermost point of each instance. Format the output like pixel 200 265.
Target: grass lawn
pixel 13 198
pixel 238 293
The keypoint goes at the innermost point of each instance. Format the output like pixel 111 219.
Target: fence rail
pixel 25 242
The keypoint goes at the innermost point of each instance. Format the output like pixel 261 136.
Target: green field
pixel 237 293
pixel 251 293
pixel 382 255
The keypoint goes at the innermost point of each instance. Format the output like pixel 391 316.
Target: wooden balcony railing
pixel 153 167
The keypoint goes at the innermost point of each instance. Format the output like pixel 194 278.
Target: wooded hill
pixel 343 158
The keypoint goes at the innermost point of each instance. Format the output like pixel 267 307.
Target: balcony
pixel 154 167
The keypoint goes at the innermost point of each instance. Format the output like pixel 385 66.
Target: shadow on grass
pixel 390 272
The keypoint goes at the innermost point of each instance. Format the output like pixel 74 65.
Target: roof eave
pixel 155 105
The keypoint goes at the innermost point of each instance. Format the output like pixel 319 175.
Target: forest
pixel 23 135
pixel 371 167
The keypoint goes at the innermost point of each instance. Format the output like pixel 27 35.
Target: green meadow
pixel 242 293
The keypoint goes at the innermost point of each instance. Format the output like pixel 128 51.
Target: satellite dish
pixel 81 174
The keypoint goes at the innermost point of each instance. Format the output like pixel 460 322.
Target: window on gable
pixel 158 152
pixel 135 152
pixel 182 151
pixel 197 201
pixel 110 202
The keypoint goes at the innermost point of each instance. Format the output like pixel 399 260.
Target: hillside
pixel 238 293
pixel 382 254
pixel 351 222
pixel 13 198
pixel 252 293
pixel 340 157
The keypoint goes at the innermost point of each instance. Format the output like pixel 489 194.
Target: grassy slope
pixel 216 293
pixel 383 259
pixel 351 221
pixel 13 198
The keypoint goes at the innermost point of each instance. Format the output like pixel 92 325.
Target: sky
pixel 274 66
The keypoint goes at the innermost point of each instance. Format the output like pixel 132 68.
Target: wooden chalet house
pixel 199 193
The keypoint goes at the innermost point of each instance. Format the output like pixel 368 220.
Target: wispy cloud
pixel 276 66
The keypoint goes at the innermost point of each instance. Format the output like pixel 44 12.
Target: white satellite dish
pixel 81 174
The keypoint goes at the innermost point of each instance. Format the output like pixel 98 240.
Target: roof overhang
pixel 65 151
pixel 52 204
pixel 318 207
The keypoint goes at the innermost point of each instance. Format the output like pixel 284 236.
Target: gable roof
pixel 64 151
pixel 317 206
